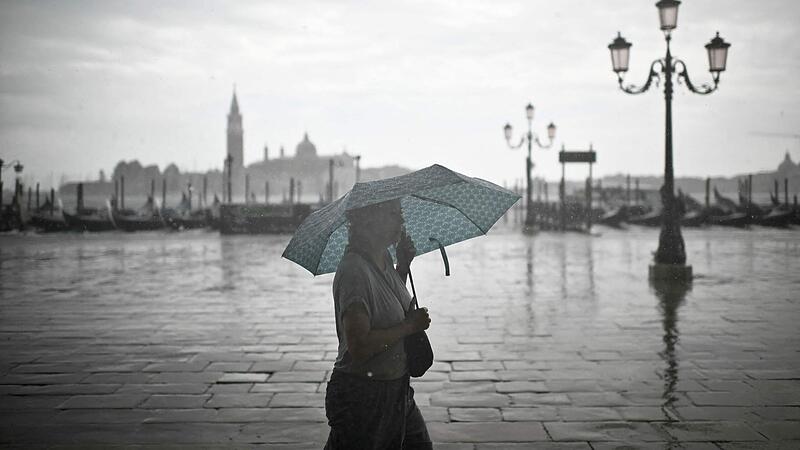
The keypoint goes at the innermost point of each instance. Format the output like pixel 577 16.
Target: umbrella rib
pixel 451 206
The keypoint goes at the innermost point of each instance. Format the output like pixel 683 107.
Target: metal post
pixel 589 193
pixel 708 192
pixel 786 191
pixel 291 191
pixel 52 200
pixel 637 194
pixel 79 191
pixel 628 190
pixel 358 168
pixel 671 248
pixel 563 193
pixel 205 190
pixel 299 191
pixel 153 189
pixel 116 193
pixel 164 192
pixel 30 197
pixel 246 188
pixel 528 186
pixel 330 178
pixel 122 191
pixel 37 196
pixel 750 189
pixel 266 192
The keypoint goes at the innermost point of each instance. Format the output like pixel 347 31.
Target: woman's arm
pixel 363 342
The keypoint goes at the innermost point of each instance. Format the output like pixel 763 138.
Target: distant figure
pixel 369 401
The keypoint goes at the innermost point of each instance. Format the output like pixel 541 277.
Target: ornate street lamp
pixel 670 257
pixel 530 138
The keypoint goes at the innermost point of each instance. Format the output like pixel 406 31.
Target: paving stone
pixel 228 366
pixel 724 399
pixel 283 432
pixel 175 401
pixel 27 402
pixel 282 399
pixel 778 430
pixel 69 389
pixel 313 365
pixel 711 431
pixel 45 378
pixel 477 365
pixel 119 367
pixel 535 446
pixel 239 415
pixel 103 401
pixel 115 378
pixel 588 414
pixel 183 377
pixel 467 400
pixel 644 413
pixel 99 415
pixel 604 431
pixel 48 368
pixel 163 388
pixel 305 376
pixel 598 399
pixel 483 375
pixel 486 432
pixel 533 399
pixel 272 366
pixel 242 378
pixel 506 387
pixel 705 413
pixel 285 387
pixel 539 414
pixel 782 445
pixel 246 400
pixel 434 413
pixel 665 445
pixel 230 387
pixel 195 366
pixel 474 414
pixel 174 415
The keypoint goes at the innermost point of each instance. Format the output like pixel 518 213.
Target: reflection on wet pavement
pixel 196 337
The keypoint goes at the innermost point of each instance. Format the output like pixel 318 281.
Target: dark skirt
pixel 373 414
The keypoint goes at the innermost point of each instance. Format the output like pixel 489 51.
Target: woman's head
pixel 379 224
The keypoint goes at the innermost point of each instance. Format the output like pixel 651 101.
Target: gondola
pixel 183 217
pixel 737 219
pixel 777 218
pixel 694 219
pixel 651 219
pixel 90 219
pixel 613 218
pixel 48 218
pixel 148 218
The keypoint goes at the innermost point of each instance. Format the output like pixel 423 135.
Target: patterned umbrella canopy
pixel 436 203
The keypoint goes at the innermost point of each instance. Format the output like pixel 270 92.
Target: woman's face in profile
pixel 388 221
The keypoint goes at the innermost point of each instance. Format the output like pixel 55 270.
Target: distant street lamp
pixel 670 257
pixel 530 138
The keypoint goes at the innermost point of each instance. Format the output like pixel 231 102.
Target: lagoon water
pixel 571 315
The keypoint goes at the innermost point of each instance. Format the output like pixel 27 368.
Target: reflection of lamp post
pixel 530 137
pixel 670 297
pixel 670 257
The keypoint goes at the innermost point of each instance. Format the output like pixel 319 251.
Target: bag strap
pixel 414 302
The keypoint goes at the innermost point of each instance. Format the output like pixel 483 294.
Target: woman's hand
pixel 405 254
pixel 418 320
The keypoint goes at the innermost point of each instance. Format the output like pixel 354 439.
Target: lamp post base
pixel 670 272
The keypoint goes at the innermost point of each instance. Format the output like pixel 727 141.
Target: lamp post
pixel 530 138
pixel 670 257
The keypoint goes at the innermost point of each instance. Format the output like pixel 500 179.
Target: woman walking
pixel 369 401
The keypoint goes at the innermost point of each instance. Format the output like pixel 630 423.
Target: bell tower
pixel 235 148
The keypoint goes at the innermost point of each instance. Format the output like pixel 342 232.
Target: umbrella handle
pixel 444 256
pixel 413 291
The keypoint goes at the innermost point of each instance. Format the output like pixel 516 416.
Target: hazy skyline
pixel 84 84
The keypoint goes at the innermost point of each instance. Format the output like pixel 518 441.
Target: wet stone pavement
pixel 552 341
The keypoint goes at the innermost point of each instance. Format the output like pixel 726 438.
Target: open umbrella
pixel 440 207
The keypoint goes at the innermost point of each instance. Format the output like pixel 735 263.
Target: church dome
pixel 305 149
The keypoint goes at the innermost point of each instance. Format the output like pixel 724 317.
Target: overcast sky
pixel 84 84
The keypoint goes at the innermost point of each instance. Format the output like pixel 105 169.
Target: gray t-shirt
pixel 381 292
